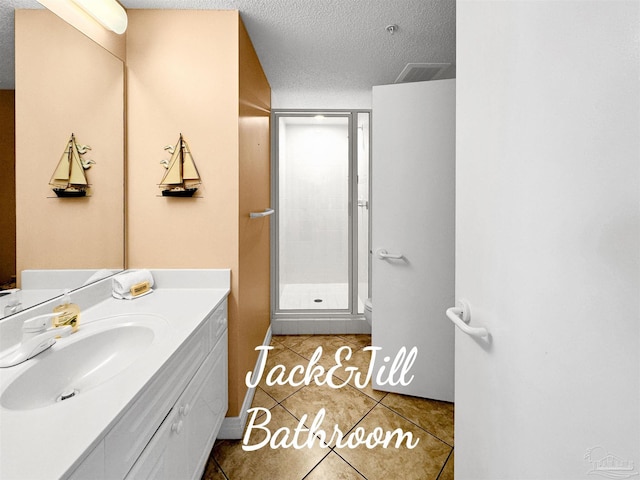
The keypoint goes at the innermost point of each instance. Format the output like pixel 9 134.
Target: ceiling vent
pixel 421 72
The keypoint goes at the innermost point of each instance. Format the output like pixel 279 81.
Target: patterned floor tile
pixel 310 400
pixel 267 462
pixel 434 416
pixel 423 462
pixel 334 468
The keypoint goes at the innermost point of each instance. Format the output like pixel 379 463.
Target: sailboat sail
pixel 76 174
pixel 182 175
pixel 68 179
pixel 60 175
pixel 189 169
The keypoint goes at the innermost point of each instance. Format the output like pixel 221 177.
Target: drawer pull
pixel 177 427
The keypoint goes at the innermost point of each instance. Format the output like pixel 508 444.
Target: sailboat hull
pixel 187 192
pixel 61 192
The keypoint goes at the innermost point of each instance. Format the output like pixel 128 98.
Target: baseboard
pixel 233 427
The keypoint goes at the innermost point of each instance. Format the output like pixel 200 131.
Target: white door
pixel 413 217
pixel 548 239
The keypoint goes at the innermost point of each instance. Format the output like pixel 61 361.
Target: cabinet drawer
pixel 128 438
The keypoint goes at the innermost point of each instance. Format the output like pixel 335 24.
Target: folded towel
pixel 122 284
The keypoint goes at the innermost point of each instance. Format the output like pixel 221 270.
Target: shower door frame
pixel 351 312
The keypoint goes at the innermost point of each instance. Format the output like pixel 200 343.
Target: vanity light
pixel 108 13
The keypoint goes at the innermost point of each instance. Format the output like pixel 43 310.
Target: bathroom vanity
pixel 140 391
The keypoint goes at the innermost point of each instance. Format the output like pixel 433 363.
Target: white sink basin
pixel 99 351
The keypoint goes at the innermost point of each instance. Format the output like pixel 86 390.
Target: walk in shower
pixel 321 196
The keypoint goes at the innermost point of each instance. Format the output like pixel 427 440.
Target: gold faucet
pixel 69 314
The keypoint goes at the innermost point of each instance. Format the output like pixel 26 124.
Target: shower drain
pixel 318 300
pixel 66 395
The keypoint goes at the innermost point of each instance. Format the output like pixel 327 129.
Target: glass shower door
pixel 314 228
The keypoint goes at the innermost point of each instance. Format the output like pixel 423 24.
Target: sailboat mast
pixel 70 157
pixel 181 161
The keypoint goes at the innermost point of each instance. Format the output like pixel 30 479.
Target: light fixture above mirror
pixel 108 13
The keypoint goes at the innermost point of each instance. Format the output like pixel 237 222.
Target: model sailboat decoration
pixel 182 177
pixel 69 179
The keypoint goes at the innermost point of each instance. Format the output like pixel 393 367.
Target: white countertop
pixel 49 442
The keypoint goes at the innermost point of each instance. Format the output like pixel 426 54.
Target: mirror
pixel 66 84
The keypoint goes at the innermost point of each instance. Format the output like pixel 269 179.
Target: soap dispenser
pixel 69 313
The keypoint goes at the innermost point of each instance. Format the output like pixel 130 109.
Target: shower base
pixel 316 296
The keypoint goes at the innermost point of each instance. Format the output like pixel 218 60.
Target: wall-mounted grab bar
pixel 266 213
pixel 460 315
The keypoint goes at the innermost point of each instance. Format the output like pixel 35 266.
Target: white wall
pixel 313 205
pixel 319 100
pixel 547 237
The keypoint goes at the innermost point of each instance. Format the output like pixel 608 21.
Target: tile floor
pixel 348 408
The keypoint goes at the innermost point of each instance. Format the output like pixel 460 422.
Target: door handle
pixel 266 213
pixel 383 254
pixel 460 315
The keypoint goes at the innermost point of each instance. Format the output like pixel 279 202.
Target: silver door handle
pixel 460 315
pixel 383 254
pixel 266 213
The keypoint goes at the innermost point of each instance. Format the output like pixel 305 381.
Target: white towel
pixel 121 284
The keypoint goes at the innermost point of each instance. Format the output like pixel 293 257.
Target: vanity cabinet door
pixel 159 461
pixel 203 407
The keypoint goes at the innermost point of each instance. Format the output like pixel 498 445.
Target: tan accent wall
pixel 255 171
pixel 66 83
pixel 191 84
pixel 7 186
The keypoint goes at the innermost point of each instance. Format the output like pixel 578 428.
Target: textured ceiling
pixel 309 45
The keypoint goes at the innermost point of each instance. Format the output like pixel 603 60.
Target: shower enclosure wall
pixel 320 253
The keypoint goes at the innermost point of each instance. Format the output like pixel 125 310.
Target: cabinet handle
pixel 185 409
pixel 177 427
